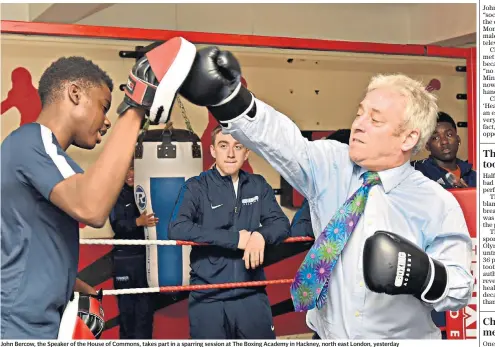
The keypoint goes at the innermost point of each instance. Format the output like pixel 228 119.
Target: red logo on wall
pixel 23 96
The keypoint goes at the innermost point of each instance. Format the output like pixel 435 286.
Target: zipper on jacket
pixel 236 210
pixel 236 199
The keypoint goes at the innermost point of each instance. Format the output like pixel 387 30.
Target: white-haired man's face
pixel 377 142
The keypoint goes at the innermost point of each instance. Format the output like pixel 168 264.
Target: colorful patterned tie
pixel 310 285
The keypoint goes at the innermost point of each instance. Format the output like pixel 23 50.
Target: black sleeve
pixel 275 226
pixel 119 221
pixel 183 224
pixel 39 160
pixel 301 223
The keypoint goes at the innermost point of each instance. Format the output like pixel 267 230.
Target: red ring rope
pixel 223 285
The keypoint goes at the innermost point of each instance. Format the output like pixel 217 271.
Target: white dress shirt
pixel 406 203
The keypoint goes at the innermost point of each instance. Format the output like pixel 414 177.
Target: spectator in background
pixel 236 214
pixel 442 165
pixel 129 263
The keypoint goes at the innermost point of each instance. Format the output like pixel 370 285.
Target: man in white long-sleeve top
pixel 391 245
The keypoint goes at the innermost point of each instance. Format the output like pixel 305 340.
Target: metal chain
pixel 147 122
pixel 183 112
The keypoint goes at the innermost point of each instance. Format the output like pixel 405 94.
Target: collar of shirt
pixel 390 178
pixel 464 166
pixel 219 179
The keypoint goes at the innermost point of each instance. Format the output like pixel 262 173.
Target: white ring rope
pixel 131 291
pixel 168 242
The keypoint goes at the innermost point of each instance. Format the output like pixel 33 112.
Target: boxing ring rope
pixel 125 242
pixel 168 289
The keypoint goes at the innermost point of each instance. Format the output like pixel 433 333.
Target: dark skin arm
pixel 103 181
pixel 82 287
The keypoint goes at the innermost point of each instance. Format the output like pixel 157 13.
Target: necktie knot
pixel 370 178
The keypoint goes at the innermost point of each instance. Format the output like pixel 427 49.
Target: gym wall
pixel 317 90
pixel 412 23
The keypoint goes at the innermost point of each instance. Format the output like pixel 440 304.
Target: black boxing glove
pixel 155 79
pixel 214 81
pixel 394 265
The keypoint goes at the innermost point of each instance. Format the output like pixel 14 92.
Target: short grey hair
pixel 421 106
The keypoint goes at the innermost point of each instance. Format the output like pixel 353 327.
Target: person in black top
pixel 235 213
pixel 129 264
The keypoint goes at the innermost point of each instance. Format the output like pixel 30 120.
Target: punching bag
pixel 163 161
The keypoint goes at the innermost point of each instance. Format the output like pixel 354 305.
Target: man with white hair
pixel 381 227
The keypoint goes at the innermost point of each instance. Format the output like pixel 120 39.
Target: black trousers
pixel 249 317
pixel 136 310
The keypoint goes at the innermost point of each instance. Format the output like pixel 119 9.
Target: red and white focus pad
pixel 156 78
pixel 82 319
pixel 171 63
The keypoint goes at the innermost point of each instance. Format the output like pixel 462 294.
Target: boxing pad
pixel 394 265
pixel 83 318
pixel 156 78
